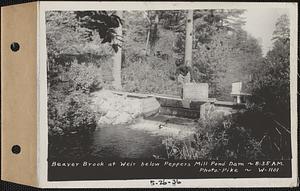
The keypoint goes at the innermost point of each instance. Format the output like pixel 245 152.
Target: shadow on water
pixel 110 142
pixel 140 140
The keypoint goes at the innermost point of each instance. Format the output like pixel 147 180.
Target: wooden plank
pixel 138 95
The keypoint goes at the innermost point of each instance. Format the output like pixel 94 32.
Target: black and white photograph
pixel 181 93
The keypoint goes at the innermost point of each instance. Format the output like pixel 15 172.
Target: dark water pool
pixel 122 142
pixel 109 143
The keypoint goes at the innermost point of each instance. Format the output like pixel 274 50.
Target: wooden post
pixel 117 59
pixel 156 19
pixel 238 99
pixel 189 38
pixel 202 111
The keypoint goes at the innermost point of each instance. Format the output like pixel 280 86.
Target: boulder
pixel 150 106
pixel 112 114
pixel 104 121
pixel 123 118
pixel 115 109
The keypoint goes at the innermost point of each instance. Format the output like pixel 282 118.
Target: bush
pixel 220 138
pixel 69 109
pixel 271 84
pixel 150 76
pixel 71 115
pixel 271 80
pixel 84 77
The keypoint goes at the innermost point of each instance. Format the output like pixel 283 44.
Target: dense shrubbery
pixel 149 77
pixel 271 80
pixel 84 77
pixel 69 103
pixel 151 68
pixel 218 137
pixel 70 115
pixel 73 36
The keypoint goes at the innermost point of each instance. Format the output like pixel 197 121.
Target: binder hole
pixel 15 46
pixel 16 149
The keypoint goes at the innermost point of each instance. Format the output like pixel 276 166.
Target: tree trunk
pixel 147 42
pixel 154 33
pixel 117 59
pixel 189 39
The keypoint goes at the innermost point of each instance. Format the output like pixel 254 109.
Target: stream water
pixel 142 140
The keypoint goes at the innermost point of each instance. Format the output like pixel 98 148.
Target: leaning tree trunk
pixel 117 59
pixel 189 39
pixel 147 42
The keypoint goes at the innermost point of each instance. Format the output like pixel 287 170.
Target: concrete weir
pixel 193 109
pixel 176 106
pixel 180 108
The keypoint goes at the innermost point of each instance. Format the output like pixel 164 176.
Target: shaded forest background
pixel 153 49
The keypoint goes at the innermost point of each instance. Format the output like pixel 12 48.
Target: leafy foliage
pixel 271 80
pixel 142 72
pixel 101 22
pixel 227 58
pixel 135 36
pixel 212 21
pixel 222 51
pixel 282 29
pixel 84 77
pixel 79 46
pixel 72 115
pixel 218 138
pixel 150 76
pixel 68 102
